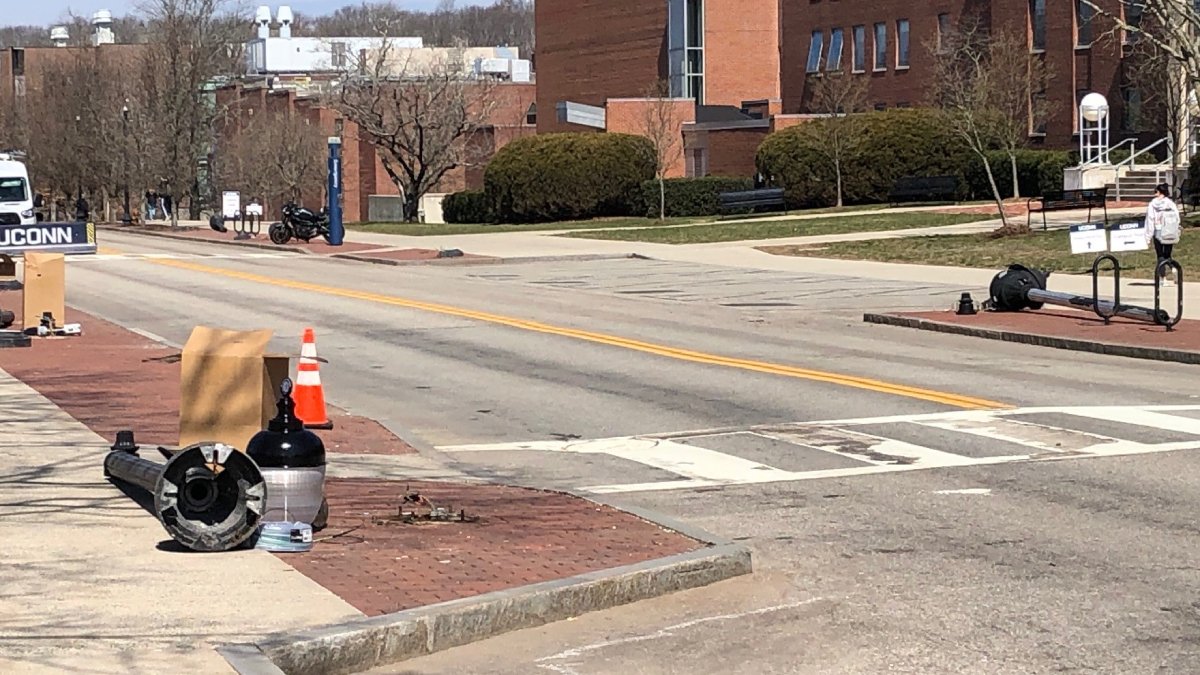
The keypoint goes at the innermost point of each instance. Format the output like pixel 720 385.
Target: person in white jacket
pixel 1163 225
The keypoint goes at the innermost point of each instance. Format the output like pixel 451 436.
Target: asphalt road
pixel 916 502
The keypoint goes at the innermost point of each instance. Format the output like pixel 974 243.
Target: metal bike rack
pixel 248 226
pixel 1116 301
pixel 1160 315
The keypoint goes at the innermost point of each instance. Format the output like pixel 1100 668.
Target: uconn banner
pixel 54 237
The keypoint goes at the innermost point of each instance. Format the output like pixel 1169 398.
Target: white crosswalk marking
pixel 1011 432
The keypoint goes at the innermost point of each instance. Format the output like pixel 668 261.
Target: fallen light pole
pixel 1020 287
pixel 208 496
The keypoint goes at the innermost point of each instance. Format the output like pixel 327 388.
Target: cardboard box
pixel 228 385
pixel 45 288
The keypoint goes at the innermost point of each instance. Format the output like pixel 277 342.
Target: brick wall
pixel 731 151
pixel 741 51
pixel 591 50
pixel 629 116
pixel 1097 68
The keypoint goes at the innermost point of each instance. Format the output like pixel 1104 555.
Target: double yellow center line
pixel 878 386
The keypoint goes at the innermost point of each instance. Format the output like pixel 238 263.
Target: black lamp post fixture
pixel 128 218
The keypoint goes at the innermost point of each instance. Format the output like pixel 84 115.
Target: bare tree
pixel 661 125
pixel 290 152
pixel 972 83
pixel 420 116
pixel 191 46
pixel 1172 26
pixel 841 97
pixel 1017 80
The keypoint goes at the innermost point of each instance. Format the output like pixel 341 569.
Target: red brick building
pixel 749 65
pixel 364 176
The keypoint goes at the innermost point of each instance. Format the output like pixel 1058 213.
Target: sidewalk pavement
pixel 95 584
pixel 89 585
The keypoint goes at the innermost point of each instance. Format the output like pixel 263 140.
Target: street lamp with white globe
pixel 1093 129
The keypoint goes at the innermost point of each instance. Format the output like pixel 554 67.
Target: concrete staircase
pixel 1137 185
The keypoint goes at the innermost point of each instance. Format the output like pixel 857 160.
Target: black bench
pixel 771 198
pixel 1066 200
pixel 924 189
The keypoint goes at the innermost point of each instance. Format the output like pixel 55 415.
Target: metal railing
pixel 1159 167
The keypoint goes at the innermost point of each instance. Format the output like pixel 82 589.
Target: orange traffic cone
pixel 309 394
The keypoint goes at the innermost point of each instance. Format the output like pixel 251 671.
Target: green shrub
pixel 1038 171
pixel 569 176
pixel 690 196
pixel 468 206
pixel 892 144
pixel 895 143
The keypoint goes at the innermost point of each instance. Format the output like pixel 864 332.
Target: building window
pixel 18 62
pixel 685 48
pixel 1037 113
pixel 1133 17
pixel 902 43
pixel 860 48
pixel 834 62
pixel 1037 25
pixel 339 55
pixel 1083 23
pixel 697 164
pixel 1132 113
pixel 943 30
pixel 881 106
pixel 881 46
pixel 814 51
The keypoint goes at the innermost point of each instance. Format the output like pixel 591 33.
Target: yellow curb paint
pixel 879 386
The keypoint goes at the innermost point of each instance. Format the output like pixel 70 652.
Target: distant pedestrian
pixel 1163 225
pixel 81 209
pixel 151 204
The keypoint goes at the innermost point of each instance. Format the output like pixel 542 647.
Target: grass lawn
pixel 434 229
pixel 1044 250
pixel 775 229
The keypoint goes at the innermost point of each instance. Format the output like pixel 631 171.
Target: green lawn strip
pixel 776 229
pixel 1042 250
pixel 437 229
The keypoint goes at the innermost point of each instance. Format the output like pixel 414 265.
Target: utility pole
pixel 128 218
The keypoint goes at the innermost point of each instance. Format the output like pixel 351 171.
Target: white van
pixel 16 195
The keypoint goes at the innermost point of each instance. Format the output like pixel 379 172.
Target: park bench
pixel 771 198
pixel 1066 200
pixel 924 189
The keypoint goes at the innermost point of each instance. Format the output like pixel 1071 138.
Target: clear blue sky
pixel 17 12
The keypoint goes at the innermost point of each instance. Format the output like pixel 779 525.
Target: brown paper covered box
pixel 228 386
pixel 45 288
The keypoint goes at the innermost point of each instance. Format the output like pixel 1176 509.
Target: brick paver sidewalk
pixel 110 378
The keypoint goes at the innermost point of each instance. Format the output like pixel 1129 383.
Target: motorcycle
pixel 301 223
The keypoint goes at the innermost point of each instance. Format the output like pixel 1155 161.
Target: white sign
pixel 1129 236
pixel 231 204
pixel 254 209
pixel 1088 238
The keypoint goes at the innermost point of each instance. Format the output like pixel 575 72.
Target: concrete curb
pixel 1073 344
pixel 367 643
pixel 222 242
